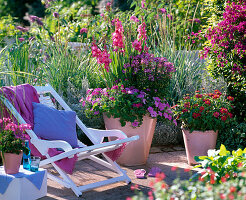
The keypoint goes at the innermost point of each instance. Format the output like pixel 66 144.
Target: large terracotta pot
pixel 11 162
pixel 198 143
pixel 136 152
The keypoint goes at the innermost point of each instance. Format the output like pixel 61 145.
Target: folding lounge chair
pixel 83 152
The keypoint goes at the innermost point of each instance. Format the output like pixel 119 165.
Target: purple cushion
pixel 53 124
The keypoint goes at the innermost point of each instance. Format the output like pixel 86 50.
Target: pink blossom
pixel 83 30
pixel 21 39
pixel 143 2
pixel 134 18
pixel 163 10
pixel 137 45
pixel 96 112
pixel 170 16
pixel 135 123
pixel 117 36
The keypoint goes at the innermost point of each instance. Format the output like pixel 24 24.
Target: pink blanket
pixel 21 97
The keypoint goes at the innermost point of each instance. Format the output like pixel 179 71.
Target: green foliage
pixel 19 8
pixel 203 112
pixel 183 190
pixel 221 164
pixel 233 136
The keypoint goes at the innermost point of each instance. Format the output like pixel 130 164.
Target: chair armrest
pixel 100 134
pixel 44 145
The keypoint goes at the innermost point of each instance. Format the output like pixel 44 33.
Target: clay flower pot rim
pixel 186 129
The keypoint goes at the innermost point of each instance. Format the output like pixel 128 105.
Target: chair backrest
pixel 48 89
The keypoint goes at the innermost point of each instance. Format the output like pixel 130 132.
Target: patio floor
pixel 87 171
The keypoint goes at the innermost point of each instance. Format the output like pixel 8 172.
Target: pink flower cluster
pixel 10 126
pixel 141 38
pixel 102 56
pixel 117 36
pixel 228 39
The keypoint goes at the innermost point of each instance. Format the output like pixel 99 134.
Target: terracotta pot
pixel 136 152
pixel 11 162
pixel 198 143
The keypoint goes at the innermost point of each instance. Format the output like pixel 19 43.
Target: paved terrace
pixel 87 171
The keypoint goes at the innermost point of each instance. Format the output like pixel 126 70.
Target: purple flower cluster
pixel 127 100
pixel 22 29
pixel 36 19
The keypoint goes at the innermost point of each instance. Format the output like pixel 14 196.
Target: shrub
pixel 225 49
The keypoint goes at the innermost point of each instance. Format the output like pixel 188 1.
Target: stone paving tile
pixel 86 171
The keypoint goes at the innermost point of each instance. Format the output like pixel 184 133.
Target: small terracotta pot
pixel 198 143
pixel 11 162
pixel 136 152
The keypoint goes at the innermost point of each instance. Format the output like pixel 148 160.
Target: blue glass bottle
pixel 26 158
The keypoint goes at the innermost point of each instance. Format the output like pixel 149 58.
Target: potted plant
pixel 202 115
pixel 131 110
pixel 12 144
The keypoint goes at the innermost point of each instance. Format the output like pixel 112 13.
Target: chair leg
pixel 68 180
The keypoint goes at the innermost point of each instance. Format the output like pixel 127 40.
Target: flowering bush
pixel 228 190
pixel 128 104
pixel 221 165
pixel 11 136
pixel 204 111
pixel 226 50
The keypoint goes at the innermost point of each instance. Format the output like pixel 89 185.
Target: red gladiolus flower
pixel 223 110
pixel 174 168
pixel 216 114
pixel 200 179
pixel 230 98
pixel 223 118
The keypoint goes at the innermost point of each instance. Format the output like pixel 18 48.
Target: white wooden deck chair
pixel 89 152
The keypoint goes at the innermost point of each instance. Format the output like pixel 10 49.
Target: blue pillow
pixel 53 124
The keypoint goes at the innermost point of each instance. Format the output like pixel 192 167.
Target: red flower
pixel 227 176
pixel 187 97
pixel 217 92
pixel 222 196
pixel 216 96
pixel 201 108
pixel 207 101
pixel 200 179
pixel 186 170
pixel 223 118
pixel 216 114
pixel 230 98
pixel 223 179
pixel 223 110
pixel 185 110
pixel 198 95
pixel 187 104
pixel 196 115
pixel 174 168
pixel 231 196
pixel 212 179
pixel 233 189
pixel 230 115
pixel 196 104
